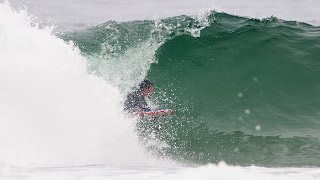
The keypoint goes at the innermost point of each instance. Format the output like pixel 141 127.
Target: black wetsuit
pixel 136 102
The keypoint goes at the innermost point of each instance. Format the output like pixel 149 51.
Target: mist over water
pixel 71 15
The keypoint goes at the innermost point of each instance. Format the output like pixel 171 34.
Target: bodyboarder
pixel 136 104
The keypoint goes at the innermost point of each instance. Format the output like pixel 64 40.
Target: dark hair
pixel 145 84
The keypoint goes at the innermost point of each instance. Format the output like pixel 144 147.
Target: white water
pixel 208 172
pixel 52 112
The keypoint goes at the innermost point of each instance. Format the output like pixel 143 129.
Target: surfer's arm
pixel 156 113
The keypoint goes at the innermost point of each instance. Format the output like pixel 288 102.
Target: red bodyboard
pixel 160 112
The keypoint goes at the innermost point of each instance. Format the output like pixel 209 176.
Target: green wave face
pixel 246 91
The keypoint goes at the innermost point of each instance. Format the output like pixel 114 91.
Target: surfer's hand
pixel 170 112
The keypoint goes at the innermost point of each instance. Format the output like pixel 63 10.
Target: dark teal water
pixel 246 91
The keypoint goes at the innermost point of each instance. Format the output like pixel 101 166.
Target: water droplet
pixel 236 150
pixel 240 95
pixel 258 127
pixel 247 111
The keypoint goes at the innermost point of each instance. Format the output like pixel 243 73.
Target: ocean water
pixel 243 78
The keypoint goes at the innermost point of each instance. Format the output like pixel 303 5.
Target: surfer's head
pixel 146 88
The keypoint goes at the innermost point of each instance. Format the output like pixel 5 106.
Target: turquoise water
pixel 245 91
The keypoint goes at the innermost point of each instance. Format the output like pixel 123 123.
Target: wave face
pixel 245 91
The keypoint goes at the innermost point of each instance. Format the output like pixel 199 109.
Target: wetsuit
pixel 136 102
